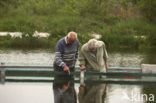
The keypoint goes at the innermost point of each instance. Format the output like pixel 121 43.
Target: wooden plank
pixel 124 68
pixel 25 66
pixel 102 80
pixel 148 68
pixel 77 67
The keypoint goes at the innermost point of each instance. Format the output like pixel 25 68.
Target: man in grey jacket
pixel 93 56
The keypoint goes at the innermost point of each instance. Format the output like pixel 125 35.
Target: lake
pixel 69 92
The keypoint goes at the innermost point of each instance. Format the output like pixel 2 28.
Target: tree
pixel 148 9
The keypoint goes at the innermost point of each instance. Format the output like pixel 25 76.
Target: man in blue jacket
pixel 66 54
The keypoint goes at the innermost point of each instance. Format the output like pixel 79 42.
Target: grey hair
pixel 70 34
pixel 92 44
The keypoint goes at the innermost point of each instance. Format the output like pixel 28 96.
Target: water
pixel 40 56
pixel 100 93
pixel 34 92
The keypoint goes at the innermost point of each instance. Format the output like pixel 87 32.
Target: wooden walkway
pixel 145 74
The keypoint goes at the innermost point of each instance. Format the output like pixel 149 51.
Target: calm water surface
pixel 41 56
pixel 69 92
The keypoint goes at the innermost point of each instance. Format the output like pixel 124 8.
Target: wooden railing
pixel 112 71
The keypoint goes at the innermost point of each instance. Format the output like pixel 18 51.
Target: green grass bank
pixel 122 24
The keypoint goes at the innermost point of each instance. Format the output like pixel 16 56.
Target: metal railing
pixel 128 72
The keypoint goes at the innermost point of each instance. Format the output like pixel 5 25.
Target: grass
pixel 130 33
pixel 25 42
pixel 58 18
pixel 122 34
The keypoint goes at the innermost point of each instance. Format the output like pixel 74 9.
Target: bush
pixel 127 33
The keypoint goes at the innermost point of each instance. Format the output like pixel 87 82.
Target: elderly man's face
pixel 72 38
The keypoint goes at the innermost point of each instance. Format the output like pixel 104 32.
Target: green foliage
pixel 5 41
pixel 60 25
pixel 58 17
pixel 29 42
pixel 148 8
pixel 152 40
pixel 25 42
pixel 131 33
pixel 83 38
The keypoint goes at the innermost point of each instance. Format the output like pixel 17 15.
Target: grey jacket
pixel 91 61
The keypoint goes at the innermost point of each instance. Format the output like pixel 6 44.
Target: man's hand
pixel 106 67
pixel 66 69
pixel 66 86
pixel 81 87
pixel 83 67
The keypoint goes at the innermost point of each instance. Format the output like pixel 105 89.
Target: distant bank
pixel 19 34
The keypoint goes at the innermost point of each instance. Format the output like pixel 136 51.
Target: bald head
pixel 92 44
pixel 71 37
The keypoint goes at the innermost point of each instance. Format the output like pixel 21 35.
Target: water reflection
pixel 149 93
pixel 64 91
pixel 69 92
pixel 117 93
pixel 45 56
pixel 92 93
pixel 26 92
pixel 26 57
pixel 110 93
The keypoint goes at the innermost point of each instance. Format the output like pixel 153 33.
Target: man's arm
pixel 58 58
pixel 105 56
pixel 77 52
pixel 82 60
pixel 106 65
